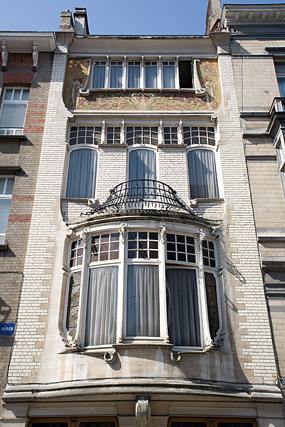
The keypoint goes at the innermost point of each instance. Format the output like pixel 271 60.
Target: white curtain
pixel 151 76
pixel 143 301
pixel 98 76
pixel 134 76
pixel 183 307
pixel 202 174
pixel 81 182
pixel 116 80
pixel 101 317
pixel 168 76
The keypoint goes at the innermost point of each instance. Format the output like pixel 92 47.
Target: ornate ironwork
pixel 142 194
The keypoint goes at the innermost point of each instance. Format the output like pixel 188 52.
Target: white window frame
pixel 19 129
pixel 279 145
pixel 5 196
pixel 122 262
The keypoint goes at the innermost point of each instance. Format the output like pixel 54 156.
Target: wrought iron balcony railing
pixel 142 194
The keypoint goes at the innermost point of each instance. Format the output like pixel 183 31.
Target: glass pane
pixel 13 116
pixel 25 94
pixel 4 214
pixel 168 76
pixel 134 76
pixel 2 184
pixel 17 95
pixel 99 76
pixel 8 94
pixel 116 80
pixel 9 186
pixel 151 76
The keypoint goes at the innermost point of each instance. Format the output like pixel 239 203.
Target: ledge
pixel 274 290
pixel 3 247
pixel 4 138
pixel 9 170
pixel 265 158
pixel 257 114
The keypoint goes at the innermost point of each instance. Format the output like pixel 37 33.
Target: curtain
pixel 13 115
pixel 151 76
pixel 101 318
pixel 81 182
pixel 168 76
pixel 98 76
pixel 143 301
pixel 202 174
pixel 142 166
pixel 116 79
pixel 183 307
pixel 134 76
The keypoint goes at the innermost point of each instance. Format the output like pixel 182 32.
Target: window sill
pixel 75 200
pixel 172 146
pixel 139 90
pixel 3 247
pixel 4 138
pixel 196 202
pixel 9 170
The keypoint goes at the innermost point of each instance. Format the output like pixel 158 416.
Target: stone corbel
pixel 199 90
pixel 162 233
pixel 123 229
pixel 84 235
pixel 143 409
pixel 85 90
pixel 35 55
pixel 4 55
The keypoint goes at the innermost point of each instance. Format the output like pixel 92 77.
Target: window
pixel 170 135
pixel 146 73
pixel 199 135
pixel 280 72
pixel 116 74
pixel 134 74
pixel 210 422
pixel 202 174
pixel 142 173
pixel 151 75
pixel 129 280
pixel 6 191
pixel 142 135
pixel 13 111
pixel 168 70
pixel 280 154
pixel 82 169
pixel 78 422
pixel 113 135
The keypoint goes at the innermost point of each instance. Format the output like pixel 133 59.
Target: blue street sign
pixel 7 328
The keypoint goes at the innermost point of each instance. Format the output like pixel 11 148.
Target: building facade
pixel 150 252
pixel 26 63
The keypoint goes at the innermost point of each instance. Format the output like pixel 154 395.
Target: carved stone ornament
pixel 85 234
pixel 162 233
pixel 35 55
pixel 143 410
pixel 123 229
pixel 4 55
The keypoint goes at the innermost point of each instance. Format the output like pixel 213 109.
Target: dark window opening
pixel 185 74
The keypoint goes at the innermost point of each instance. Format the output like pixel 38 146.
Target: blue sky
pixel 114 16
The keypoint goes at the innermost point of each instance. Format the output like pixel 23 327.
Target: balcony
pixel 277 116
pixel 142 195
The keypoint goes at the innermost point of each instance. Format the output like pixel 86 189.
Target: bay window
pixel 154 284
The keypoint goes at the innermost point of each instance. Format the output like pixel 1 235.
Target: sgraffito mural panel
pixel 77 72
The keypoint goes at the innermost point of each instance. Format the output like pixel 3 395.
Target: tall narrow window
pixel 280 154
pixel 168 74
pixel 116 78
pixel 202 174
pixel 280 72
pixel 142 164
pixel 99 71
pixel 6 190
pixel 170 135
pixel 113 135
pixel 13 111
pixel 81 182
pixel 134 74
pixel 151 75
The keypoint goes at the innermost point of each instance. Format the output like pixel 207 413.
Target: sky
pixel 111 17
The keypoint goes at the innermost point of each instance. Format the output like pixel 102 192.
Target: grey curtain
pixel 142 164
pixel 134 76
pixel 202 174
pixel 101 317
pixel 98 76
pixel 81 182
pixel 183 308
pixel 151 76
pixel 168 76
pixel 116 79
pixel 143 301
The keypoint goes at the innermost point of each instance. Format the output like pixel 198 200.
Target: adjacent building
pixel 152 290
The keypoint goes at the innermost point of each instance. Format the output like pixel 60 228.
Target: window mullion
pixel 142 73
pixel 159 73
pixel 107 77
pixel 205 329
pixel 80 333
pixel 124 73
pixel 177 84
pixel 163 288
pixel 121 281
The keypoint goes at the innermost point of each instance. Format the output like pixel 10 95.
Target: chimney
pixel 81 21
pixel 214 12
pixel 66 22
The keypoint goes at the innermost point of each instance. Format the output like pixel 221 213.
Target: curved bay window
pixel 134 284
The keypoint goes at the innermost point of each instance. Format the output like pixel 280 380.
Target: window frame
pixel 279 141
pixel 5 196
pixel 210 421
pixel 159 60
pixel 122 262
pixel 15 130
